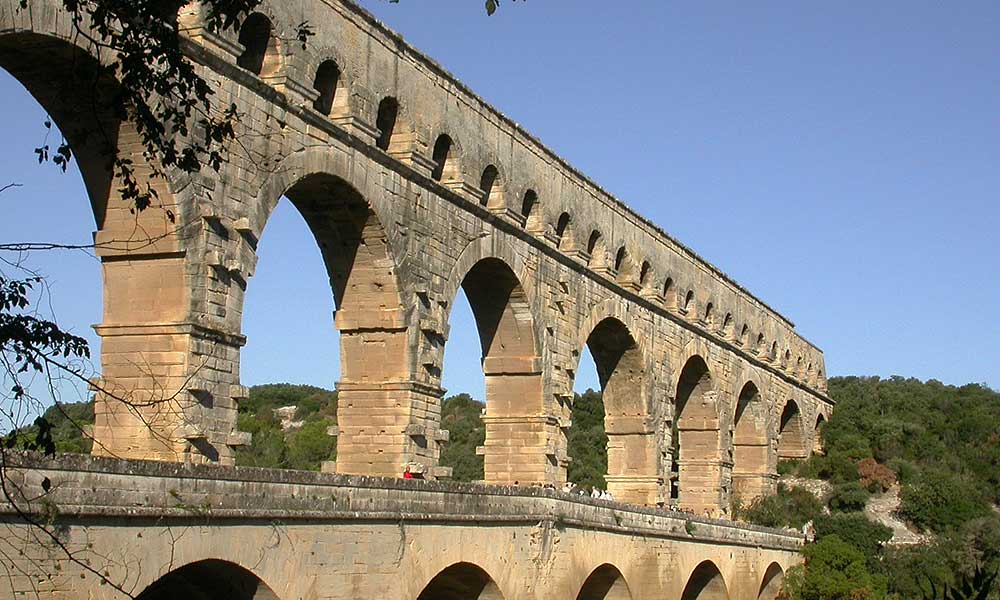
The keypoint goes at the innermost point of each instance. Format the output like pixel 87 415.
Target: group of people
pixel 571 488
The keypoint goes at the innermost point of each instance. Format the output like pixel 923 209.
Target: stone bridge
pixel 162 531
pixel 414 187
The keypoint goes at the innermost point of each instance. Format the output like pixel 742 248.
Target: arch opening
pixel 818 434
pixel 705 583
pixel 209 580
pixel 791 433
pixel 771 583
pixel 385 122
pixel 369 316
pixel 328 83
pixel 751 448
pixel 697 484
pixel 442 158
pixel 260 47
pixel 631 473
pixel 461 581
pixel 80 97
pixel 564 235
pixel 514 444
pixel 531 210
pixel 489 188
pixel 606 582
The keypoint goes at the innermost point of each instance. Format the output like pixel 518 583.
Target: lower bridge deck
pixel 112 528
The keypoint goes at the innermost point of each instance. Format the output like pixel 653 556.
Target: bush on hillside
pixel 855 529
pixel 941 501
pixel 833 570
pixel 789 507
pixel 847 497
pixel 875 478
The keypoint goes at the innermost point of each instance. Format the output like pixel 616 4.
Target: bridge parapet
pixel 141 520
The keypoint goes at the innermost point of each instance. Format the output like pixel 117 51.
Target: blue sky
pixel 841 161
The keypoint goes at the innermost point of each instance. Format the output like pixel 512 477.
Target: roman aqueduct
pixel 415 188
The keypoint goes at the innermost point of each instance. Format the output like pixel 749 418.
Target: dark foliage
pixel 461 415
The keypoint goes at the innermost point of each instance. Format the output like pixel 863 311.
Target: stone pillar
pixel 521 440
pixel 387 421
pixel 632 460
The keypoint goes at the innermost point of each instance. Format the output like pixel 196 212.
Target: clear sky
pixel 841 161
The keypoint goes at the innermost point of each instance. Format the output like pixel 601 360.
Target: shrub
pixel 848 497
pixel 789 507
pixel 834 570
pixel 839 468
pixel 940 501
pixel 875 477
pixel 789 467
pixel 906 471
pixel 855 529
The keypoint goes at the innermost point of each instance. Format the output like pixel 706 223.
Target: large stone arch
pixel 753 463
pixel 209 579
pixel 348 219
pixel 697 440
pixel 623 368
pixel 705 583
pixel 792 435
pixel 518 432
pixel 141 408
pixel 461 581
pixel 606 582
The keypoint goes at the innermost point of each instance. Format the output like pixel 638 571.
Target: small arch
pixel 770 584
pixel 326 83
pixel 620 258
pixel 605 582
pixel 709 313
pixel 208 579
pixel 385 121
pixel 689 300
pixel 461 581
pixel 727 324
pixel 644 272
pixel 774 351
pixel 563 234
pixel 759 346
pixel 529 207
pixel 705 583
pixel 597 250
pixel 441 156
pixel 791 433
pixel 786 358
pixel 669 297
pixel 488 187
pixel 260 53
pixel 744 333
